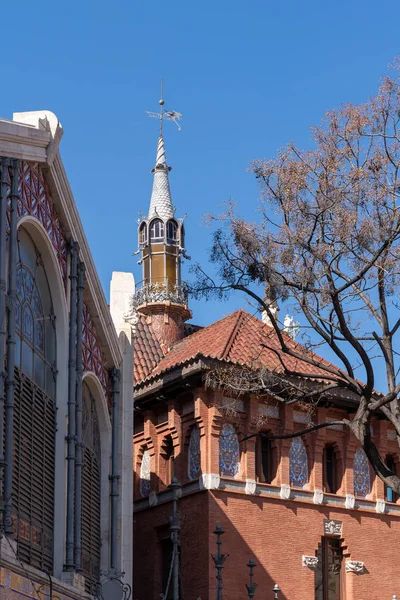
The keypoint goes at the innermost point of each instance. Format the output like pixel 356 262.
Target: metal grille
pixel 91 535
pixel 34 467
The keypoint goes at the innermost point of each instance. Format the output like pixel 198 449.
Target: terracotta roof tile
pixel 147 350
pixel 238 338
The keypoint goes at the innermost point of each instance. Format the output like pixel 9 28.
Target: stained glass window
pixel 145 474
pixel 361 474
pixel 298 463
pixel 194 454
pixel 229 451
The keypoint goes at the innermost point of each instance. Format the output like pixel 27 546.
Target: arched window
pixel 265 460
pixel 172 232
pixel 35 409
pixel 157 231
pixel 145 473
pixel 143 234
pixel 361 474
pixel 194 467
pixel 390 495
pixel 229 451
pixel 298 463
pixel 328 572
pixel 168 453
pixel 331 474
pixel 91 494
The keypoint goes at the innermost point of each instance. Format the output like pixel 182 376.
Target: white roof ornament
pixel 161 203
pixel 291 327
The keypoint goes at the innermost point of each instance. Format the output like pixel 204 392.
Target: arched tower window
pixel 91 481
pixel 331 471
pixel 157 231
pixel 143 234
pixel 168 453
pixel 361 474
pixel 194 467
pixel 35 409
pixel 229 462
pixel 145 473
pixel 265 466
pixel 172 232
pixel 298 463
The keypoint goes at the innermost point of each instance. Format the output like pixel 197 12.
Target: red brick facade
pixel 258 523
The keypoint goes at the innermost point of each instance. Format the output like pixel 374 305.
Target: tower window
pixel 169 457
pixel 330 470
pixel 390 495
pixel 143 234
pixel 157 231
pixel 172 232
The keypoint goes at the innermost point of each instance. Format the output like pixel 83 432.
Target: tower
pixel 161 296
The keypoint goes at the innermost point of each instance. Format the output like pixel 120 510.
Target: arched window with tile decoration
pixel 298 463
pixel 91 491
pixel 361 474
pixel 229 454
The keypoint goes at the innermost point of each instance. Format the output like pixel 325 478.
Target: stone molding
pixel 354 566
pixel 350 501
pixel 153 500
pixel 74 579
pixel 251 487
pixel 332 527
pixel 318 497
pixel 310 561
pixel 380 506
pixel 285 491
pixel 209 481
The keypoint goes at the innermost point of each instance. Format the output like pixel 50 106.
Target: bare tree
pixel 328 243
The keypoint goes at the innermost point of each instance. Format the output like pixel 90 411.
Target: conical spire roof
pixel 161 203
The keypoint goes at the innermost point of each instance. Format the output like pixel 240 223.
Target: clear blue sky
pixel 247 76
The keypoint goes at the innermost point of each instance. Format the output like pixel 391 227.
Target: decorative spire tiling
pixel 161 202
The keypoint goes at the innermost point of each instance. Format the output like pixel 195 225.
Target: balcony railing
pixel 160 291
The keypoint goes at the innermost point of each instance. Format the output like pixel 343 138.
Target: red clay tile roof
pixel 237 338
pixel 147 350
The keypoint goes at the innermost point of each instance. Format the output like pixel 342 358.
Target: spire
pixel 161 203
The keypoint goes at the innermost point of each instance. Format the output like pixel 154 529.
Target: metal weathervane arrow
pixel 169 115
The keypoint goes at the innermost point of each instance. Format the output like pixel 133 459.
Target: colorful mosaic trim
pixel 93 359
pixel 361 474
pixel 298 469
pixel 14 586
pixel 229 451
pixel 35 200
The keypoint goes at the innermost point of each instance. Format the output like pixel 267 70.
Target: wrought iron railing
pixel 160 291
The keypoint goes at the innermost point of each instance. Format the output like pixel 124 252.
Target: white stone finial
pixel 291 327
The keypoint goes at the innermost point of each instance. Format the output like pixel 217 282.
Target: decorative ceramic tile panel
pixel 391 435
pixel 93 359
pixel 233 403
pixel 298 463
pixel 301 417
pixel 228 451
pixel 145 474
pixel 194 454
pixel 361 474
pixel 338 426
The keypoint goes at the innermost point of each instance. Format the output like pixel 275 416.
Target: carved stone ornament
pixel 350 501
pixel 251 487
pixel 318 497
pixel 153 499
pixel 310 561
pixel 285 491
pixel 380 506
pixel 209 481
pixel 332 527
pixel 354 566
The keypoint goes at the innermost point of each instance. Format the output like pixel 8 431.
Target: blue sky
pixel 247 76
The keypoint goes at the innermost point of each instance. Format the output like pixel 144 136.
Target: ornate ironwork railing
pixel 160 291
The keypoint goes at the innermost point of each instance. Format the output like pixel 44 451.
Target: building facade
pixel 65 385
pixel 306 508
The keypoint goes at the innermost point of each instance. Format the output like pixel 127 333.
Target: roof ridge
pixel 235 331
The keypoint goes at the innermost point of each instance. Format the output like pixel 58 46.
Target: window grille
pixel 91 498
pixel 34 429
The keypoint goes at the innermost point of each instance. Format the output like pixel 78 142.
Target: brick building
pixel 308 509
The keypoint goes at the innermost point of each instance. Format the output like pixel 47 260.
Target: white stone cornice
pixel 23 141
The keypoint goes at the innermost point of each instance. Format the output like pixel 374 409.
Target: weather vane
pixel 165 114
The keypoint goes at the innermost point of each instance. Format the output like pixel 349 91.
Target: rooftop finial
pixel 171 115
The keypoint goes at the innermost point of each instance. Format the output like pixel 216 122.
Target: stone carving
pixel 380 506
pixel 354 566
pixel 318 497
pixel 153 499
pixel 350 501
pixel 332 527
pixel 310 561
pixel 250 487
pixel 209 481
pixel 285 491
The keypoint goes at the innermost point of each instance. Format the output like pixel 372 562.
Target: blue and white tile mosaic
pixel 298 463
pixel 361 473
pixel 194 454
pixel 229 451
